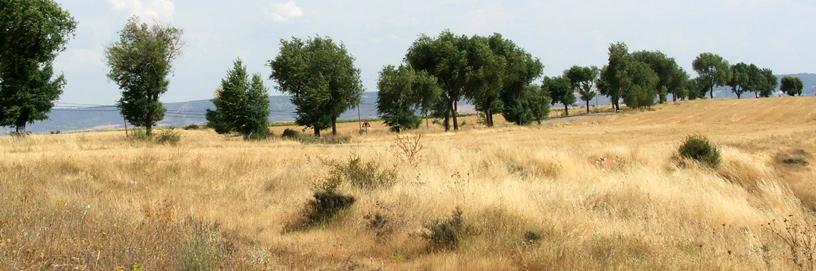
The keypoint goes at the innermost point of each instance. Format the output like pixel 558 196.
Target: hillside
pixel 593 192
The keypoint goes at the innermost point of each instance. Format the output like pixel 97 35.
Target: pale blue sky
pixel 779 34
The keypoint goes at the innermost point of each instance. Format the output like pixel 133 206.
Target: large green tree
pixel 32 34
pixel 582 79
pixel 713 70
pixel 671 78
pixel 768 82
pixel 740 80
pixel 486 76
pixel 539 102
pixel 321 77
pixel 612 82
pixel 521 69
pixel 792 85
pixel 641 84
pixel 140 62
pixel 560 91
pixel 402 93
pixel 444 57
pixel 241 104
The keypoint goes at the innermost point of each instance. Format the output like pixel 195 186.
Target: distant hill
pixel 281 110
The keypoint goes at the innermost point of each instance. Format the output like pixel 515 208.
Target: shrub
pixel 700 149
pixel 168 136
pixel 325 205
pixel 383 221
pixel 363 175
pixel 446 233
pixel 192 127
pixel 205 248
pixel 290 133
pixel 532 237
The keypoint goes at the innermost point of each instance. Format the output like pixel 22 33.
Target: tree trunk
pixel 566 110
pixel 587 104
pixel 20 129
pixel 317 131
pixel 674 97
pixel 447 120
pixel 711 93
pixel 488 118
pixel 334 126
pixel 738 95
pixel 454 111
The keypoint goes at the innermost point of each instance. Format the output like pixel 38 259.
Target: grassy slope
pixel 602 191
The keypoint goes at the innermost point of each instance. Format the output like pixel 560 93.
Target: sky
pixel 778 34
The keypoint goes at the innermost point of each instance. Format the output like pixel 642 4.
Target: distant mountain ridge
pixel 281 110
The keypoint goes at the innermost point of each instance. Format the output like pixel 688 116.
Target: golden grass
pixel 603 192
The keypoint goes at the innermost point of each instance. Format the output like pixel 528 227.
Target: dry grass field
pixel 583 193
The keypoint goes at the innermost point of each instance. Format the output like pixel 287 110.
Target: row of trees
pixel 492 72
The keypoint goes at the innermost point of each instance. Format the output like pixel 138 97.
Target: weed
pixel 799 237
pixel 409 147
pixel 168 137
pixel 363 175
pixel 325 205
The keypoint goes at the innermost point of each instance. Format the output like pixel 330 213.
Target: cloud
pixel 281 12
pixel 149 10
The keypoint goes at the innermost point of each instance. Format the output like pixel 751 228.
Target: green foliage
pixel 713 71
pixel 611 82
pixel 700 149
pixel 168 136
pixel 321 77
pixel 241 105
pixel 486 76
pixel 642 85
pixel 792 85
pixel 539 103
pixel 140 62
pixel 521 106
pixel 325 205
pixel 403 92
pixel 560 91
pixel 583 79
pixel 740 80
pixel 446 233
pixel 32 34
pixel 444 57
pixel 362 175
pixel 767 82
pixel 671 77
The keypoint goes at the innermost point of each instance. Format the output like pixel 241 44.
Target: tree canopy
pixel 792 85
pixel 671 77
pixel 140 62
pixel 321 77
pixel 740 80
pixel 32 34
pixel 560 91
pixel 241 104
pixel 713 71
pixel 582 79
pixel 403 92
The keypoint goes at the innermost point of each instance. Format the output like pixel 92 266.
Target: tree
pixel 241 105
pixel 769 82
pixel 560 91
pixel 32 34
pixel 539 102
pixel 402 92
pixel 671 77
pixel 520 71
pixel 486 76
pixel 792 85
pixel 582 79
pixel 444 57
pixel 322 79
pixel 740 80
pixel 641 84
pixel 612 83
pixel 140 62
pixel 713 71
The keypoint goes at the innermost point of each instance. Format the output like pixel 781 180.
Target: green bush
pixel 363 175
pixel 700 149
pixel 168 136
pixel 446 233
pixel 325 205
pixel 192 127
